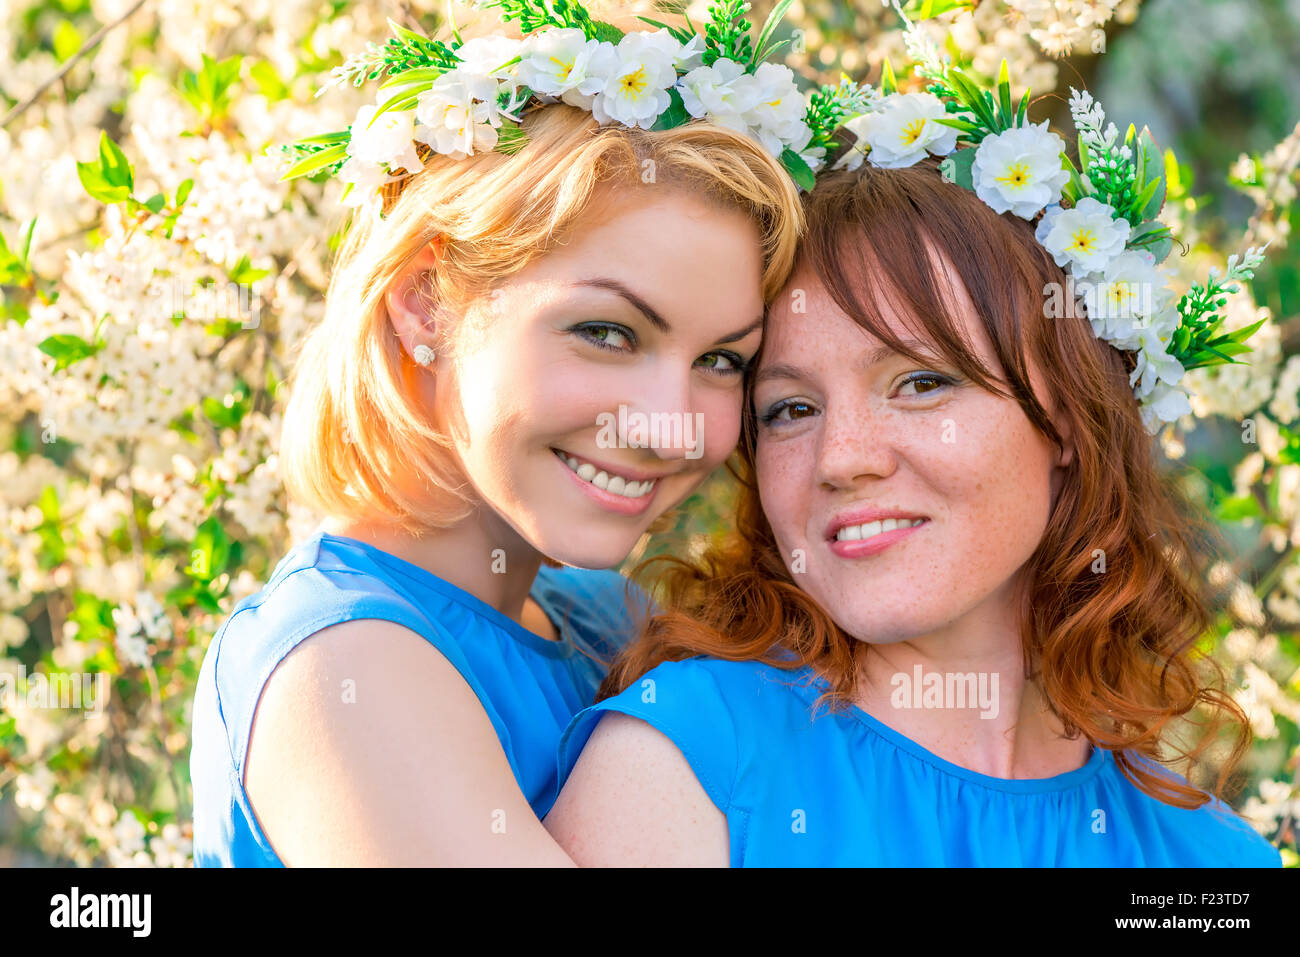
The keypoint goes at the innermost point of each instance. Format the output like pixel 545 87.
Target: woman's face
pixel 851 433
pixel 599 386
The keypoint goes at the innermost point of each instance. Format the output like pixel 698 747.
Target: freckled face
pixel 842 431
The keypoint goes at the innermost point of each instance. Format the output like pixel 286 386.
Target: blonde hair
pixel 354 431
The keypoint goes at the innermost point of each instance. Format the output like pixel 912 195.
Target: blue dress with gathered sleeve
pixel 847 790
pixel 529 687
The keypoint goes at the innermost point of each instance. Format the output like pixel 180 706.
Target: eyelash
pixel 770 416
pixel 739 365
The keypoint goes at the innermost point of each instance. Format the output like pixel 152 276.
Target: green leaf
pixel 155 202
pixel 769 27
pixel 28 232
pixel 66 39
pixel 929 9
pixel 309 164
pixel 675 115
pixel 398 101
pixel 1237 508
pixel 1151 167
pixel 1155 238
pixel 966 126
pixel 956 168
pixel 210 552
pixel 510 138
pixel 1022 109
pixel 799 170
pixel 113 164
pixel 605 32
pixel 1004 94
pixel 888 82
pixel 421 76
pixel 208 89
pixel 94 183
pixel 243 272
pixel 183 191
pixel 66 349
pixel 268 81
pixel 973 98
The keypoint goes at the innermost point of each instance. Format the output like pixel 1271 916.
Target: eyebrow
pixel 656 320
pixel 784 370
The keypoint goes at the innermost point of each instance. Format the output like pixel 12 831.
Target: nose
pixel 852 446
pixel 661 415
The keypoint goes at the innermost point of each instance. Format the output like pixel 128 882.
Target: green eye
pixel 605 335
pixel 724 363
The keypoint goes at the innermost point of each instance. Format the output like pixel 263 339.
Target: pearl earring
pixel 423 354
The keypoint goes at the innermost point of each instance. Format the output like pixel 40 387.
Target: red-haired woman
pixel 951 530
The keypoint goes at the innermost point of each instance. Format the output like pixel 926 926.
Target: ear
pixel 1066 455
pixel 407 299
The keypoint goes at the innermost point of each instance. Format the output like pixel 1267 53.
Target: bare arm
pixel 633 800
pixel 368 748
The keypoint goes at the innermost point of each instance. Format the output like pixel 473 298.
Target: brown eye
pixel 931 382
pixel 787 410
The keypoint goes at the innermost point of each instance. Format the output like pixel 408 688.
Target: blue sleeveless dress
pixel 847 790
pixel 530 687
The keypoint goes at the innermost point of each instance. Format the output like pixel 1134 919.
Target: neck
pixel 973 706
pixel 481 555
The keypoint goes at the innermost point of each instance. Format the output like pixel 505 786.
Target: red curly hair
pixel 1115 654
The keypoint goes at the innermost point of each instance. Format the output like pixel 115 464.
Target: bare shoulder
pixel 368 747
pixel 632 799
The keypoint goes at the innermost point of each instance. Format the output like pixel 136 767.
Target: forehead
pixel 675 249
pixel 806 322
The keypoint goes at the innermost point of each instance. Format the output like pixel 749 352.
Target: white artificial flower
pixel 1085 237
pixel 1154 363
pixel 690 54
pixel 777 119
pixel 901 130
pixel 487 56
pixel 1131 287
pixel 456 117
pixel 1165 403
pixel 387 139
pixel 721 93
pixel 1019 170
pixel 565 64
pixel 637 91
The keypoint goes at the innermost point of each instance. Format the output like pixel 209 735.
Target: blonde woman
pixel 465 419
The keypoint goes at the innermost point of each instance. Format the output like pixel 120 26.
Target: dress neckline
pixel 563 648
pixel 812 688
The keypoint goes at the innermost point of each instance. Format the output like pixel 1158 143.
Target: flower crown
pixel 1099 220
pixel 462 97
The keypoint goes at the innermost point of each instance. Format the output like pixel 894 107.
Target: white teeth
pixel 616 484
pixel 856 533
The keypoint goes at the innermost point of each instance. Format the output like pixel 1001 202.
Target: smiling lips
pixel 627 487
pixel 869 531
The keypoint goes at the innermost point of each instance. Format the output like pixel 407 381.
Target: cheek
pixel 783 489
pixel 997 483
pixel 717 421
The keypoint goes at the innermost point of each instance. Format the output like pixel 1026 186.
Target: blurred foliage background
pixel 156 277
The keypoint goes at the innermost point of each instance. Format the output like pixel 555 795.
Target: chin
pixel 588 551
